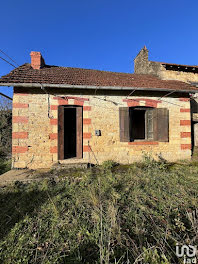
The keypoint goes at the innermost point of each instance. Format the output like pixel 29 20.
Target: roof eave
pixel 92 87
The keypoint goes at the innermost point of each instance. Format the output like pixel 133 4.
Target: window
pixel 141 123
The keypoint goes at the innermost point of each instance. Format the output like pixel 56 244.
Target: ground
pixel 23 175
pixel 107 214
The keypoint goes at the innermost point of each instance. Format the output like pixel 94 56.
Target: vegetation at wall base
pixel 5 127
pixel 106 214
pixel 5 165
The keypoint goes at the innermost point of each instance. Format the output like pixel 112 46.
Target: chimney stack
pixel 37 61
pixel 141 61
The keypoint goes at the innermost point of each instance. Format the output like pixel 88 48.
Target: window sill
pixel 143 142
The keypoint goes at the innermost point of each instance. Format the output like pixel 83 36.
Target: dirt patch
pixel 21 175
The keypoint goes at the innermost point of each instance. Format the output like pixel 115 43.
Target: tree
pixel 5 127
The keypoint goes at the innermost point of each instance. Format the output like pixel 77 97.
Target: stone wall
pixel 142 65
pixel 35 130
pixel 188 77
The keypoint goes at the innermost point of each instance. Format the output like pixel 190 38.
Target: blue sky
pixel 104 35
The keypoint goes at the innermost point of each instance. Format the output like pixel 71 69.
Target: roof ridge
pixel 51 74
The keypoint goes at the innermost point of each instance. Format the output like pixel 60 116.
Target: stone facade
pixel 142 65
pixel 35 127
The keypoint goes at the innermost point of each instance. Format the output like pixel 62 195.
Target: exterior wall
pixel 178 75
pixel 35 129
pixel 142 65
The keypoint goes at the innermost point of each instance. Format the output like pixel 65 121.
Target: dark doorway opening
pixel 69 133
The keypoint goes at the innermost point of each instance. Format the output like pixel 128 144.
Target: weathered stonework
pixel 35 128
pixel 142 65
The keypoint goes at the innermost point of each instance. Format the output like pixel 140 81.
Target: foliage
pixel 5 165
pixel 5 128
pixel 108 214
pixel 109 164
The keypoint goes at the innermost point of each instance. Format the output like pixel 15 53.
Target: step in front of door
pixel 74 163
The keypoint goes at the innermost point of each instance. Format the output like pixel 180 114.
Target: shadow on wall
pixel 194 106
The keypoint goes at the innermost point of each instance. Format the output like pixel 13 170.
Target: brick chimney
pixel 37 61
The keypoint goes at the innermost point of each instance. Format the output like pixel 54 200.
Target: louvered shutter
pixel 149 124
pixel 161 124
pixel 124 124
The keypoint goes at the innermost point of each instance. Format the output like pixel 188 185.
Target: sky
pixel 104 35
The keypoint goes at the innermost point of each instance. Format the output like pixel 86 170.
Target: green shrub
pixel 109 164
pixel 5 133
pixel 5 165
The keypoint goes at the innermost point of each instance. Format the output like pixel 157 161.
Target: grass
pixel 108 214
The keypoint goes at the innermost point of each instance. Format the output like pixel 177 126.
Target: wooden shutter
pixel 61 132
pixel 79 132
pixel 161 124
pixel 149 124
pixel 124 124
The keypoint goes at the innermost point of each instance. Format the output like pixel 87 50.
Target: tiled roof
pixel 77 76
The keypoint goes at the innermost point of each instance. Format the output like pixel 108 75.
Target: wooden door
pixel 66 130
pixel 61 132
pixel 79 143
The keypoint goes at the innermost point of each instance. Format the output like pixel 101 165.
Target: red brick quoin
pixel 53 136
pixel 86 121
pixel 53 107
pixel 20 105
pixel 18 135
pixel 185 134
pixel 86 108
pixel 86 135
pixel 19 149
pixel 185 146
pixel 184 110
pixel 53 121
pixel 86 149
pixel 54 149
pixel 185 122
pixel 20 119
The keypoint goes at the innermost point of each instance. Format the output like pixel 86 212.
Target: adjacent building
pixel 171 71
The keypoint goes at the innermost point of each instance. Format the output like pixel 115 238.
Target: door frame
pixel 79 131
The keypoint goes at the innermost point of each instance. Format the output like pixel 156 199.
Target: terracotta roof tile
pixel 77 76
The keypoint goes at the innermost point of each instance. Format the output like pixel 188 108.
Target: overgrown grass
pixel 108 214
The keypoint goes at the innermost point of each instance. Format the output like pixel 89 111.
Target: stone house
pixel 73 115
pixel 171 71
